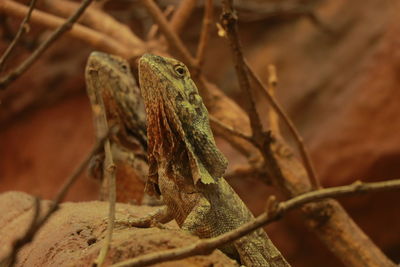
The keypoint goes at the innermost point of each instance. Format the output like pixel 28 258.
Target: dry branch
pixel 288 122
pixel 24 66
pixel 20 242
pixel 107 24
pixel 326 218
pixel 169 33
pixel 273 213
pixel 228 20
pixel 23 28
pixel 93 38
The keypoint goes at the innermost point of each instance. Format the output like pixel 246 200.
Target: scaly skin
pixel 113 93
pixel 186 167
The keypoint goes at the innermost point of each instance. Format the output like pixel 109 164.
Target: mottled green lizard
pixel 186 167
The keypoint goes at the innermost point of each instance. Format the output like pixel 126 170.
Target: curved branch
pixel 274 212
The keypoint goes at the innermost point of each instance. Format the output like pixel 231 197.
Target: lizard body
pixel 186 167
pixel 114 95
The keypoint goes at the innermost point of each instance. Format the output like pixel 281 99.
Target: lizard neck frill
pixel 178 120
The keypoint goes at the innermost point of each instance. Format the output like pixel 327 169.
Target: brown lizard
pixel 186 167
pixel 114 94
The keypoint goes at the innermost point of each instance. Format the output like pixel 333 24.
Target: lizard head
pixel 103 62
pixel 111 77
pixel 176 114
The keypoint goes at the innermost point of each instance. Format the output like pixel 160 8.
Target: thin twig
pixel 272 85
pixel 4 82
pixel 285 118
pixel 275 212
pixel 17 244
pixel 60 196
pixel 96 39
pixel 103 128
pixel 246 171
pixel 230 130
pixel 109 171
pixel 154 27
pixel 205 31
pixel 170 35
pixel 23 28
pixel 229 22
pixel 98 20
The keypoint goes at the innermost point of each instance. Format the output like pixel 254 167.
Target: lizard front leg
pixel 159 216
pixel 198 223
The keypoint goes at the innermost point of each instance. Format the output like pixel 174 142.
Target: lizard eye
pixel 124 68
pixel 180 70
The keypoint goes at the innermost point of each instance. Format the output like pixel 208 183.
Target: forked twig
pixel 24 66
pixel 170 35
pixel 23 28
pixel 285 118
pixel 228 20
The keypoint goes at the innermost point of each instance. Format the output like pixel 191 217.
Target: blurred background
pixel 338 65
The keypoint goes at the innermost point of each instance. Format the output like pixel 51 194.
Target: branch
pixel 273 213
pixel 24 66
pixel 98 40
pixel 170 35
pixel 230 130
pixel 97 20
pixel 229 22
pixel 109 176
pixel 272 85
pixel 20 242
pixel 285 118
pixel 23 28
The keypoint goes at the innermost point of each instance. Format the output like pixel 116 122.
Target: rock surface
pixel 74 234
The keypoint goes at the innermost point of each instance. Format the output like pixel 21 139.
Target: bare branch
pixel 154 27
pixel 230 130
pixel 23 28
pixel 272 85
pixel 170 35
pixel 109 175
pixel 229 22
pixel 273 213
pixel 285 118
pixel 97 20
pixel 20 242
pixel 42 48
pixel 95 39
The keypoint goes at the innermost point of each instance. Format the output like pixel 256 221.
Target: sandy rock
pixel 74 234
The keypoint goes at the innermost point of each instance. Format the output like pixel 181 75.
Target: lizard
pixel 186 168
pixel 114 94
